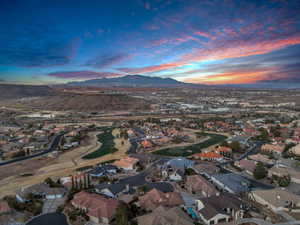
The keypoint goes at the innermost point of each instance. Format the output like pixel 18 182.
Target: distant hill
pixel 133 81
pixel 11 91
pixel 86 102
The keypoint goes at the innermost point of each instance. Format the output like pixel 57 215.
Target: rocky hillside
pixel 11 91
pixel 87 102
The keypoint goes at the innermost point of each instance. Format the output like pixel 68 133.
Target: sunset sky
pixel 198 41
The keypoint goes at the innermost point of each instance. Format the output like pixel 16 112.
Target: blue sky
pixel 207 41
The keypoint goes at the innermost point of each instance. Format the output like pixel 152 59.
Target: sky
pixel 196 41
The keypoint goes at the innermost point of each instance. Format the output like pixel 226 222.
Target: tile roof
pixel 97 205
pixel 216 204
pixel 164 216
pixel 4 207
pixel 126 162
pixel 198 183
pixel 155 198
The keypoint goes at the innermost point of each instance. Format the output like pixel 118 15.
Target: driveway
pixel 50 206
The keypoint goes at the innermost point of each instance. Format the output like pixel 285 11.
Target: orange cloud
pixel 150 69
pixel 239 49
pixel 233 77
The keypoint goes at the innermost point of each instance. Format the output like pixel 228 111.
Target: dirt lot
pixel 64 165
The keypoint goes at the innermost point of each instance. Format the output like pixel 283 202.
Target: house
pixel 206 168
pixel 4 208
pixel 231 182
pixel 218 209
pixel 156 198
pixel 224 151
pixel 179 163
pixel 276 199
pixel 261 158
pixel 127 163
pixel 208 156
pixel 284 172
pixel 295 150
pixel 165 216
pixel 247 165
pixel 272 148
pixel 42 190
pixel 243 140
pixel 197 184
pixel 146 144
pixel 99 209
pixel 103 170
pixel 172 175
pixel 129 185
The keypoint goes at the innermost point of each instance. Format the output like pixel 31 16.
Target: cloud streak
pixel 86 74
pixel 108 60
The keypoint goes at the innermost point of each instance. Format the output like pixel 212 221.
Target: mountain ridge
pixel 133 81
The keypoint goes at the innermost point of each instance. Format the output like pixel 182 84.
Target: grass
pixel 192 149
pixel 107 147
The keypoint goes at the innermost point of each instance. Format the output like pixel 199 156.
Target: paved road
pixel 252 150
pixel 263 222
pixel 51 148
pixel 286 216
pixel 49 219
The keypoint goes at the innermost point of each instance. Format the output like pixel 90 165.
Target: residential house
pixel 129 185
pixel 165 216
pixel 4 208
pixel 197 184
pixel 261 158
pixel 247 165
pixel 295 150
pixel 243 140
pixel 103 170
pixel 156 198
pixel 231 182
pixel 127 163
pixel 146 144
pixel 224 151
pixel 179 163
pixel 208 156
pixel 42 190
pixel 218 209
pixel 276 199
pixel 272 148
pixel 99 209
pixel 284 172
pixel 206 168
pixel 172 175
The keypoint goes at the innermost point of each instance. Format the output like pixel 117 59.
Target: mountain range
pixel 133 81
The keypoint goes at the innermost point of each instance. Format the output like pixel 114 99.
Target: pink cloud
pixel 150 69
pixel 204 34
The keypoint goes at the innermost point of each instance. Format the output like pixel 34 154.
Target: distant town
pixel 175 156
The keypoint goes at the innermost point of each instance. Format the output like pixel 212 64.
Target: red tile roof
pixel 209 155
pixel 4 207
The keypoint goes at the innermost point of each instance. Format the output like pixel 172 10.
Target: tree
pixel 122 213
pixel 190 171
pixel 284 181
pixel 235 146
pixel 260 171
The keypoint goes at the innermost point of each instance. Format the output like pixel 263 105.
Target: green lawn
pixel 107 147
pixel 192 149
